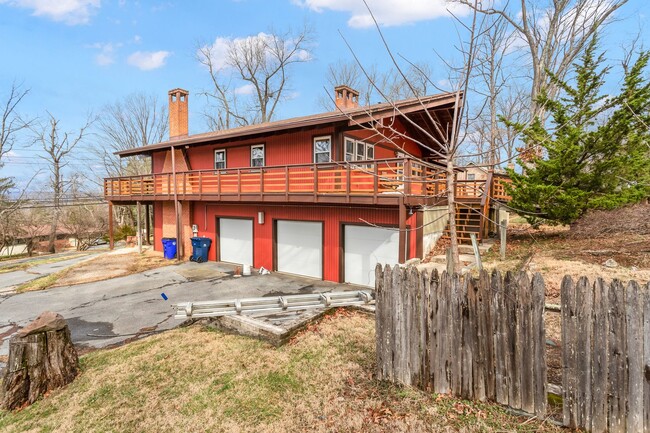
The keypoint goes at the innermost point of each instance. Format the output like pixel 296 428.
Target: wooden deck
pixel 380 182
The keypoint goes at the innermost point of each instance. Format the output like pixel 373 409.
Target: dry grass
pixel 11 267
pixel 199 380
pixel 103 267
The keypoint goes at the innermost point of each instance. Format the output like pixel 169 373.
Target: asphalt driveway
pixel 109 312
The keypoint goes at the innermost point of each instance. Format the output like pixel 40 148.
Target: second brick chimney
pixel 346 97
pixel 178 121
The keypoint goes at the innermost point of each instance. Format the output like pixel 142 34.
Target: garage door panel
pixel 300 248
pixel 364 248
pixel 236 240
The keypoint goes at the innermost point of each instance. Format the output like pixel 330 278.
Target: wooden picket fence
pixel 484 339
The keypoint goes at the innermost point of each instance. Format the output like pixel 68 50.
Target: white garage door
pixel 300 248
pixel 236 241
pixel 364 248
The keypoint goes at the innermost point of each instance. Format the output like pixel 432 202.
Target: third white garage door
pixel 236 240
pixel 300 248
pixel 365 247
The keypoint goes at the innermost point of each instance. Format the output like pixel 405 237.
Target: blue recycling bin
pixel 169 248
pixel 200 248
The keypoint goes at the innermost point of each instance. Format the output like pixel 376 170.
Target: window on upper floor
pixel 357 150
pixel 220 159
pixel 322 149
pixel 471 176
pixel 257 155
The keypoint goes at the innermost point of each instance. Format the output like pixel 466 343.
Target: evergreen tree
pixel 595 149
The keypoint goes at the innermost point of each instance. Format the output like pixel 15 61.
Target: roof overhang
pixel 362 115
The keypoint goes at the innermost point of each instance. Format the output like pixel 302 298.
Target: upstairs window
pixel 220 159
pixel 349 149
pixel 357 150
pixel 322 149
pixel 257 156
pixel 471 176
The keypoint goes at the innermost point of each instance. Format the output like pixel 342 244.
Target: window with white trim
pixel 220 159
pixel 357 150
pixel 349 149
pixel 322 149
pixel 257 155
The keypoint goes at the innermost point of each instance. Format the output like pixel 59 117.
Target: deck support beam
pixel 111 239
pixel 138 225
pixel 402 256
pixel 147 224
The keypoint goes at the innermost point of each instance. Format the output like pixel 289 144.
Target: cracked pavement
pixel 109 312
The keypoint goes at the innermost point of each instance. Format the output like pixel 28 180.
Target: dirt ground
pixel 197 379
pixel 583 249
pixel 111 265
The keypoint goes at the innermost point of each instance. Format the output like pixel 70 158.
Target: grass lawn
pixel 199 380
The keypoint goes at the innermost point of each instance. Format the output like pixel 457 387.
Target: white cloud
pixel 387 12
pixel 246 89
pixel 71 12
pixel 221 47
pixel 148 60
pixel 137 39
pixel 107 51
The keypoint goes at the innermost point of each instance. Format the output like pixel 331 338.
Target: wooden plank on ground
pixel 527 342
pixel 569 336
pixel 636 367
pixel 484 377
pixel 468 315
pixel 600 331
pixel 455 342
pixel 443 337
pixel 584 304
pixel 380 320
pixel 499 329
pixel 646 356
pixel 515 341
pixel 616 362
pixel 539 341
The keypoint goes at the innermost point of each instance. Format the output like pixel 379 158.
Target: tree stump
pixel 41 358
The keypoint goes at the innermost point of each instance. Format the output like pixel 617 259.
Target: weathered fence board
pixel 605 356
pixel 485 338
pixel 475 338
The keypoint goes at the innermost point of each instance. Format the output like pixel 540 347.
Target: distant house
pixel 322 196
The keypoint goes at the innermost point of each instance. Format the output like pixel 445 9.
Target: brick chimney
pixel 346 97
pixel 178 113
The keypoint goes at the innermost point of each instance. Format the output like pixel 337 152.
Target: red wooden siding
pixel 204 215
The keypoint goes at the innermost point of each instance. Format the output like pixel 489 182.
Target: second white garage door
pixel 300 248
pixel 365 247
pixel 236 240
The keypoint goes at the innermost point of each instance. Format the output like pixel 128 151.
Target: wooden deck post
pixel 147 224
pixel 402 257
pixel 139 228
pixel 111 241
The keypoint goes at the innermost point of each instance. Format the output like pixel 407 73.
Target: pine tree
pixel 596 148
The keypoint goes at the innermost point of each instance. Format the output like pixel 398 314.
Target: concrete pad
pixel 113 311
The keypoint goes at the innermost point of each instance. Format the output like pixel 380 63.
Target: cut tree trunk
pixel 41 358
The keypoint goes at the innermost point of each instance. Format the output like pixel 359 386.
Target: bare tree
pixel 11 122
pixel 250 76
pixel 443 141
pixel 390 83
pixel 57 146
pixel 86 220
pixel 136 120
pixel 554 33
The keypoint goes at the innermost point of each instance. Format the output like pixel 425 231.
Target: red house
pixel 325 196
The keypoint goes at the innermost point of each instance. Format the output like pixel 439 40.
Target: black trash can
pixel 169 248
pixel 200 248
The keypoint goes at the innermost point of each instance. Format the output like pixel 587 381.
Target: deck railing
pixel 363 178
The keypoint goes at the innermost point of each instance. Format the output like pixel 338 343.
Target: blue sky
pixel 78 55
